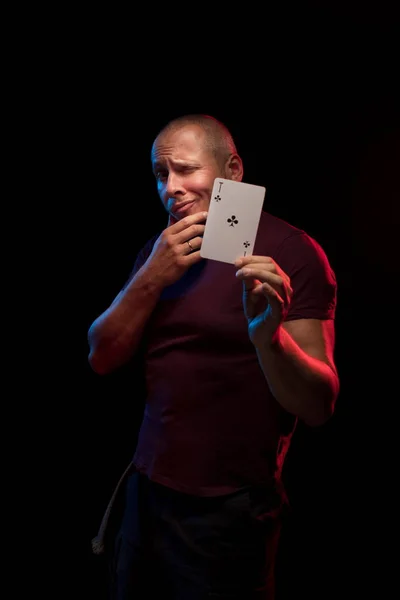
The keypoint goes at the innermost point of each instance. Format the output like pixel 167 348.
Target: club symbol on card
pixel 246 245
pixel 232 221
pixel 217 198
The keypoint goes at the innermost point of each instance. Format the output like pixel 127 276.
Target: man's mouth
pixel 182 206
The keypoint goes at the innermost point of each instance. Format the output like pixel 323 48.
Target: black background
pixel 311 102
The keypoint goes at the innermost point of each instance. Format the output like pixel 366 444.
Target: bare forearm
pixel 304 386
pixel 115 335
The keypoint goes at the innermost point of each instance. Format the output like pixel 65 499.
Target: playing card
pixel 232 222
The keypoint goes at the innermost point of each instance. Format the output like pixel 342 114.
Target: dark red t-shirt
pixel 211 424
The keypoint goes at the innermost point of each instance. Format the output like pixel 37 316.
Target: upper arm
pixel 316 337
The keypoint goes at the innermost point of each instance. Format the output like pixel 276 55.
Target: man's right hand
pixel 172 255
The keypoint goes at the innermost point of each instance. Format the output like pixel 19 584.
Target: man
pixel 233 356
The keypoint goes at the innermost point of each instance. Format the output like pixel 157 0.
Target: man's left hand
pixel 266 296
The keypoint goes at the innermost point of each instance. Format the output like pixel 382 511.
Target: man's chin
pixel 185 211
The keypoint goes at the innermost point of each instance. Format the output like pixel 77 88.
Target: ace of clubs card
pixel 232 222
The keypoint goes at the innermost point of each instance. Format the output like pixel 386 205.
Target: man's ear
pixel 234 168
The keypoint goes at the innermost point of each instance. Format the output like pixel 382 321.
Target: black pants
pixel 180 547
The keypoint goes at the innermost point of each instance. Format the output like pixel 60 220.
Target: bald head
pixel 217 138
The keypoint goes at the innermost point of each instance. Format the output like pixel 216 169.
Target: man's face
pixel 185 171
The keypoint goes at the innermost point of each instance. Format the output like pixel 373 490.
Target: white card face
pixel 232 222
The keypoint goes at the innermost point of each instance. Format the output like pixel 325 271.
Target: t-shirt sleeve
pixel 311 276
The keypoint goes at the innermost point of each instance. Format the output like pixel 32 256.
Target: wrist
pixel 149 283
pixel 271 343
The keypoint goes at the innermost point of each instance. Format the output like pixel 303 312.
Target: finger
pixel 194 231
pixel 258 269
pixel 271 296
pixel 271 293
pixel 247 260
pixel 192 245
pixel 255 291
pixel 261 275
pixel 251 285
pixel 254 299
pixel 192 258
pixel 276 282
pixel 186 222
pixel 171 220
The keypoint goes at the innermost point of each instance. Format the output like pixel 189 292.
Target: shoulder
pixel 272 233
pixel 304 260
pixel 292 247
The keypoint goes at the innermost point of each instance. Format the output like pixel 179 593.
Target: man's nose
pixel 174 185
